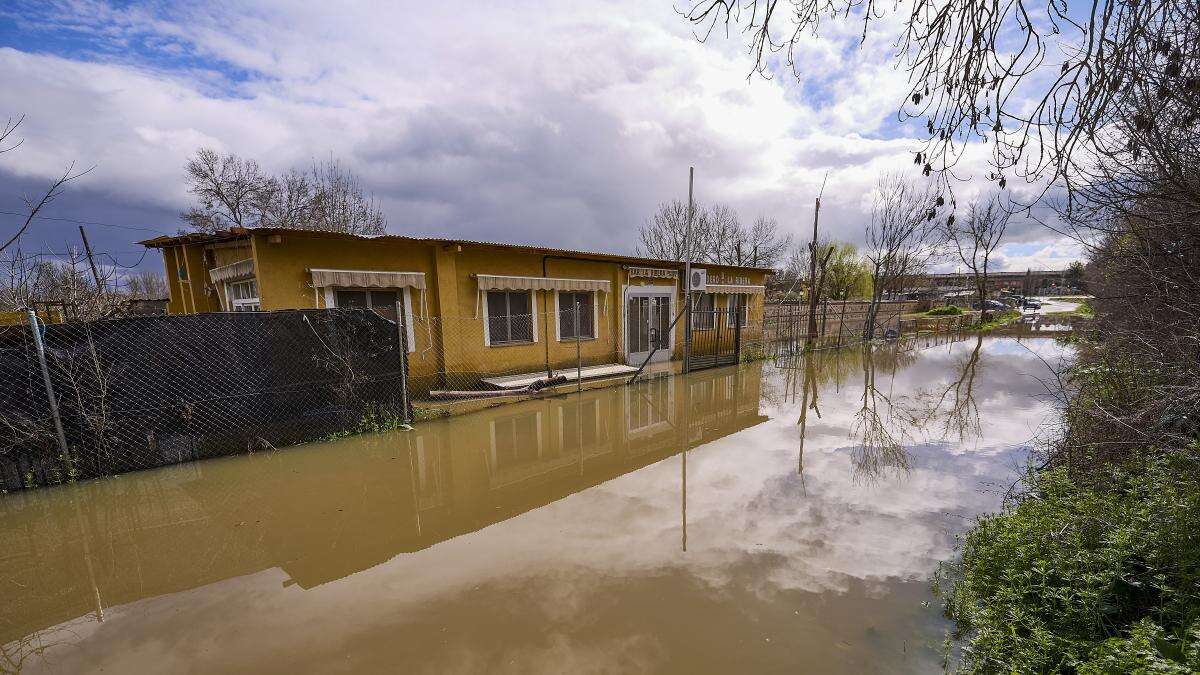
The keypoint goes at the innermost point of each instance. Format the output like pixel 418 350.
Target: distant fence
pixel 839 322
pixel 141 392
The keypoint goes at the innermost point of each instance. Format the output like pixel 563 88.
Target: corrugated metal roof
pixel 238 233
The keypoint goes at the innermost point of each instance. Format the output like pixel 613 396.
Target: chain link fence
pixel 112 396
pixel 462 353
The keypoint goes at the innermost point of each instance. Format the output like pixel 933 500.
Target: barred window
pixel 737 307
pixel 566 315
pixel 703 313
pixel 509 317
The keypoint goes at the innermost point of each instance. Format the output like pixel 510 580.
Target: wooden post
pixel 87 248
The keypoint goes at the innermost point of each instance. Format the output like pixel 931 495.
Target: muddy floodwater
pixel 568 534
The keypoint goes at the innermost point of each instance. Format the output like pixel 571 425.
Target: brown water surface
pixel 567 534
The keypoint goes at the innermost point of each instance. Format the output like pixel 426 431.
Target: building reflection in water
pixel 325 511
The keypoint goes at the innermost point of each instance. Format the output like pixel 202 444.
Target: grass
pixel 372 422
pixel 949 310
pixel 1098 576
pixel 999 319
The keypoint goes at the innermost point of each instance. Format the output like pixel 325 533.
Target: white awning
pixel 491 282
pixel 653 273
pixel 735 289
pixel 241 269
pixel 367 279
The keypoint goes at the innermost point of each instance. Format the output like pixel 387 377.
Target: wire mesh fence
pixel 786 325
pixel 462 353
pixel 150 391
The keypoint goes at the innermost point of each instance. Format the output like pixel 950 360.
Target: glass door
pixel 647 326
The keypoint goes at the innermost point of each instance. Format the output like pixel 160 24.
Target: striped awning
pixel 735 289
pixel 241 269
pixel 491 282
pixel 367 279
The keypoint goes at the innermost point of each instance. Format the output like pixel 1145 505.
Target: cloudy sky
pixel 558 123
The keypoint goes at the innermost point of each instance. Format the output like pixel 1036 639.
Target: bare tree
pixel 231 191
pixel 1043 85
pixel 236 192
pixel 664 234
pixel 288 201
pixel 146 285
pixel 718 236
pixel 975 238
pixel 33 203
pixel 766 248
pixel 901 238
pixel 340 204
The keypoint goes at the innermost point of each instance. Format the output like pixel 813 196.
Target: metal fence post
pixel 402 328
pixel 579 349
pixel 41 352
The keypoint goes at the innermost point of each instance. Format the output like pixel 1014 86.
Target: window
pixel 735 306
pixel 509 317
pixel 566 315
pixel 516 441
pixel 382 303
pixel 243 295
pixel 703 313
pixel 580 424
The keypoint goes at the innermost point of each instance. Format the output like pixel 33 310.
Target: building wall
pixel 449 324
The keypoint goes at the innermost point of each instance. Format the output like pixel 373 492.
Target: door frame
pixel 648 290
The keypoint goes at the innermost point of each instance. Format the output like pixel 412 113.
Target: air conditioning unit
pixel 699 281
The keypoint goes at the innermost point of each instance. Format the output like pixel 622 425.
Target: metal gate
pixel 716 337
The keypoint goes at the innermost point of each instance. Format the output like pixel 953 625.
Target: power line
pixel 89 222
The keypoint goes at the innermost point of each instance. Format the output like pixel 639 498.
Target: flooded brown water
pixel 567 534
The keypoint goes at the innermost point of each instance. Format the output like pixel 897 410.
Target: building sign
pixel 652 273
pixel 717 278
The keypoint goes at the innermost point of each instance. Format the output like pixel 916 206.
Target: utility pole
pixel 687 278
pixel 87 248
pixel 812 271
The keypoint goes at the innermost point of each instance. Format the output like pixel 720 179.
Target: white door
pixel 648 325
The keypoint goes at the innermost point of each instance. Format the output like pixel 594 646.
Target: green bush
pixel 1097 576
pixel 948 310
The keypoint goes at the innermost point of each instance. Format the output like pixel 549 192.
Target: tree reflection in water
pixel 880 450
pixel 949 410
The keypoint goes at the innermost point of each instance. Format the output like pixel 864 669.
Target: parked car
pixel 991 305
pixel 1032 304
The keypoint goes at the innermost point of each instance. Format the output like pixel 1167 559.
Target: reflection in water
pixel 543 536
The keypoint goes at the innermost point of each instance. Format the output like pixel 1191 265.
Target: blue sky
pixel 563 124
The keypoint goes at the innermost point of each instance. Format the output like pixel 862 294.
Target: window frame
pixel 735 300
pixel 251 303
pixel 487 319
pixel 710 314
pixel 558 327
pixel 330 293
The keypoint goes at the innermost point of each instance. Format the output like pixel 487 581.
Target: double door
pixel 648 326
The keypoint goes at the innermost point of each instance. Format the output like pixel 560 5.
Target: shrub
pixel 1092 576
pixel 948 310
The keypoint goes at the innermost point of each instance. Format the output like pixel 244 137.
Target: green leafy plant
pixel 1096 576
pixel 948 310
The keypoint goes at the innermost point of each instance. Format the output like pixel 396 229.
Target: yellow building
pixel 471 308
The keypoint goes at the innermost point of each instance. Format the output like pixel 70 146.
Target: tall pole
pixel 812 274
pixel 687 278
pixel 87 248
pixel 41 352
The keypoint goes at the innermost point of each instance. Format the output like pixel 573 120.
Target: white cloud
pixel 562 123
